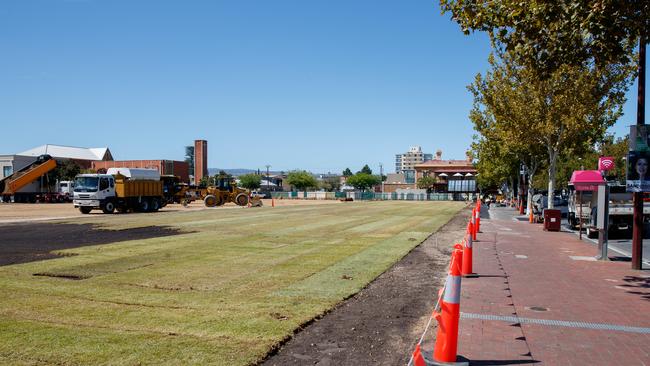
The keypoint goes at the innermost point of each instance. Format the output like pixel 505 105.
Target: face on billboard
pixel 638 177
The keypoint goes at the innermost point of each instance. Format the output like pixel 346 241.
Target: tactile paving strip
pixel 557 323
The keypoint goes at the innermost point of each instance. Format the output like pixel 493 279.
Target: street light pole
pixel 637 225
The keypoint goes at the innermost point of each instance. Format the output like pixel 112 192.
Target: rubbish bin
pixel 552 220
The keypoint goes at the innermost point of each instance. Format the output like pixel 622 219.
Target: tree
pixel 331 184
pixel 546 35
pixel 568 110
pixel 365 170
pixel 301 180
pixel 347 172
pixel 189 158
pixel 426 183
pixel 363 181
pixel 250 181
pixel 65 170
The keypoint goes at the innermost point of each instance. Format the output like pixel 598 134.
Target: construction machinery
pixel 10 185
pixel 122 189
pixel 223 192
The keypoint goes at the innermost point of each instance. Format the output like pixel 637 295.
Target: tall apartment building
pixel 405 163
pixel 200 160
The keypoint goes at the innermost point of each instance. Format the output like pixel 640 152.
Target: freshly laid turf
pixel 233 285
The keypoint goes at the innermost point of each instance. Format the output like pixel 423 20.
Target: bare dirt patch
pixel 381 324
pixel 21 243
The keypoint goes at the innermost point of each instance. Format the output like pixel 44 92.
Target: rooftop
pixel 70 152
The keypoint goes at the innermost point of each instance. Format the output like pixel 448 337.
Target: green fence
pixel 372 196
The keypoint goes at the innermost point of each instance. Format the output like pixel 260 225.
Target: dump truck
pixel 121 189
pixel 11 185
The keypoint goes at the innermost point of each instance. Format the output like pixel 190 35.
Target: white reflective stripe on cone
pixel 468 241
pixel 478 214
pixel 452 290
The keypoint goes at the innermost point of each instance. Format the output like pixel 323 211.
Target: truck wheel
pixel 109 207
pixel 241 199
pixel 210 200
pixel 144 205
pixel 155 205
pixel 85 210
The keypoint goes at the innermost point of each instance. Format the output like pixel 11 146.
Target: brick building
pixel 452 176
pixel 165 167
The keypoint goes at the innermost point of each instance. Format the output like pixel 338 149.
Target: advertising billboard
pixel 638 178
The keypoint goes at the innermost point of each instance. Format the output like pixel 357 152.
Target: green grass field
pixel 233 285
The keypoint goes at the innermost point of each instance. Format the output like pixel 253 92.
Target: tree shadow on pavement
pixel 637 284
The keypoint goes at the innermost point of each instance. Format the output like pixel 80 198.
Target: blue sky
pixel 317 85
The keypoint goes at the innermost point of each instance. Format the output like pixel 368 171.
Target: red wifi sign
pixel 605 163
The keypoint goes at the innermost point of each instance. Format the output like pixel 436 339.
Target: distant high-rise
pixel 200 160
pixel 405 163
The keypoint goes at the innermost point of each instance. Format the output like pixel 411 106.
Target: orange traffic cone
pixel 449 316
pixel 531 218
pixel 478 218
pixel 473 222
pixel 467 257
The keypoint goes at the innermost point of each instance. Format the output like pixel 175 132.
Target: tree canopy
pixel 347 172
pixel 426 183
pixel 363 181
pixel 301 180
pixel 547 35
pixel 365 170
pixel 520 114
pixel 250 181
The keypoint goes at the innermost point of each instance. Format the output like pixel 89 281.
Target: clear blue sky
pixel 317 85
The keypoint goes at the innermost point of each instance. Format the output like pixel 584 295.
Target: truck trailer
pixel 139 190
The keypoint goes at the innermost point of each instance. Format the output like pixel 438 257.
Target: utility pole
pixel 267 177
pixel 637 226
pixel 381 178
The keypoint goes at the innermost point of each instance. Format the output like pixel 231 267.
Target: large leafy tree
pixel 250 181
pixel 547 35
pixel 301 180
pixel 426 183
pixel 363 181
pixel 568 110
pixel 347 172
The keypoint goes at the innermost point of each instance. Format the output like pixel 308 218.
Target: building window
pixel 409 176
pixel 7 171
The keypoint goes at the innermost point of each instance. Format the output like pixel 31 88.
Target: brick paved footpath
pixel 528 274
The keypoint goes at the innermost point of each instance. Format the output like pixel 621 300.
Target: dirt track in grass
pixel 380 324
pixel 22 243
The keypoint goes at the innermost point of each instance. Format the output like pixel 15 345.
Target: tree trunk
pixel 552 167
pixel 529 204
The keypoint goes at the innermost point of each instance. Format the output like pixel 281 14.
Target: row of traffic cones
pixel 448 318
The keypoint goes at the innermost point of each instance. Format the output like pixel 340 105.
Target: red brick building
pixel 165 167
pixel 451 175
pixel 200 160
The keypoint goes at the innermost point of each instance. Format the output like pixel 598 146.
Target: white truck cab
pixel 93 191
